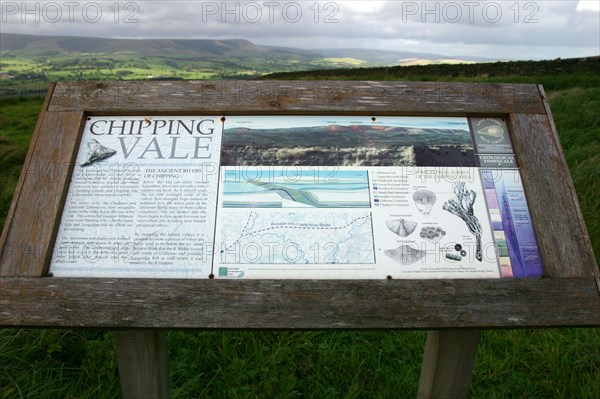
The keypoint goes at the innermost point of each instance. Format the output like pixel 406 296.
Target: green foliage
pixel 294 364
pixel 57 363
pixel 555 75
pixel 540 363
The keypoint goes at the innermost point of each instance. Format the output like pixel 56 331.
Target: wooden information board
pixel 151 205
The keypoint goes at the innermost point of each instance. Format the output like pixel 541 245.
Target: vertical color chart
pixel 513 231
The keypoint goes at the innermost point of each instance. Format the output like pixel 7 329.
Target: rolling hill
pixel 52 58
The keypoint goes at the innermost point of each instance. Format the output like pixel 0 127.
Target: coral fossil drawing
pixel 462 207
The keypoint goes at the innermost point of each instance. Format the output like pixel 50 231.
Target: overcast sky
pixel 501 29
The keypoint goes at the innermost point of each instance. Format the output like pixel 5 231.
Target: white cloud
pixel 363 7
pixel 507 29
pixel 591 5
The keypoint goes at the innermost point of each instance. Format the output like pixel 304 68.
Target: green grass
pixel 576 113
pixel 509 364
pixel 88 66
pixel 544 363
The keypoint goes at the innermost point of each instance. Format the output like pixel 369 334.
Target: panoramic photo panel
pixel 346 141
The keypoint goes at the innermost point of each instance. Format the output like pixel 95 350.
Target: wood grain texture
pixel 38 207
pixel 298 304
pixel 143 367
pixel 569 182
pixel 295 97
pixel 448 364
pixel 562 237
pixel 19 187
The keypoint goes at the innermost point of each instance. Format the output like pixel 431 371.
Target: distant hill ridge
pixel 558 67
pixel 66 44
pixel 202 48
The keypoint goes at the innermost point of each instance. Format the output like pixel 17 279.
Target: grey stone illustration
pixel 97 152
pixel 453 256
pixel 402 227
pixel 432 234
pixel 424 200
pixel 462 206
pixel 405 254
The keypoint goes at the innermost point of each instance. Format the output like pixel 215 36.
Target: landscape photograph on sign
pixel 347 141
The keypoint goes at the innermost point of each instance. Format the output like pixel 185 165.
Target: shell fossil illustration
pixel 424 200
pixel 401 227
pixel 97 152
pixel 492 131
pixel 405 254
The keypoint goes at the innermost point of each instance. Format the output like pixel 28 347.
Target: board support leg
pixel 142 359
pixel 448 363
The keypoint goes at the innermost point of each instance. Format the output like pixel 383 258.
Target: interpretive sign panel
pixel 311 197
pixel 296 205
pixel 310 204
pixel 142 199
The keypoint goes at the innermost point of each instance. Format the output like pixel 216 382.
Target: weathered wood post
pixel 143 368
pixel 448 363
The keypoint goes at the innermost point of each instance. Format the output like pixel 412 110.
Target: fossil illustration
pixel 492 131
pixel 424 200
pixel 405 254
pixel 432 234
pixel 97 152
pixel 462 206
pixel 401 227
pixel 452 256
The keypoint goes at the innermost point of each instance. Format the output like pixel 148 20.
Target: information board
pixel 298 197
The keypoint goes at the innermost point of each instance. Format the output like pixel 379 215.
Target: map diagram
pixel 255 237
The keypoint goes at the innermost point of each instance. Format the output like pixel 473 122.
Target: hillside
pixel 34 45
pixel 520 70
pixel 33 60
pixel 54 45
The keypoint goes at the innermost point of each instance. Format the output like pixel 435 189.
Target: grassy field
pixel 544 363
pixel 25 69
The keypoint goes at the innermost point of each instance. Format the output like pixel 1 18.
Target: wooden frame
pixel 567 295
